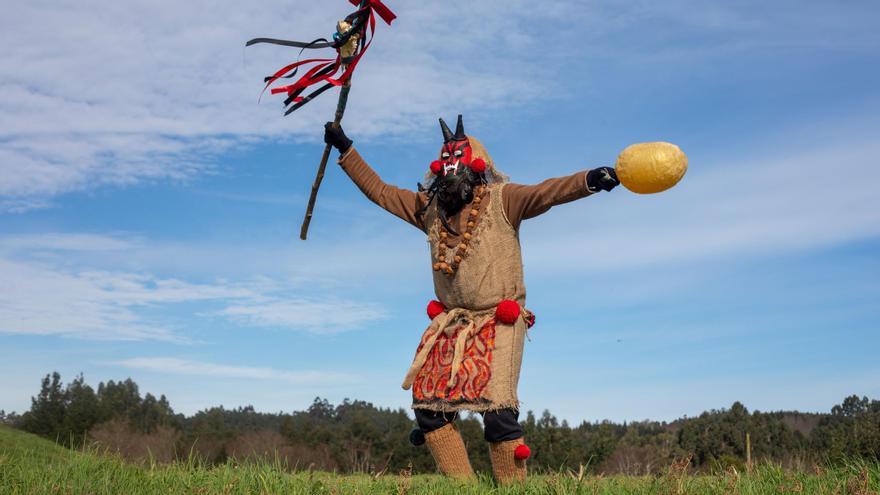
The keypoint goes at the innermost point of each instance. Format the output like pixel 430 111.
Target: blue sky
pixel 150 208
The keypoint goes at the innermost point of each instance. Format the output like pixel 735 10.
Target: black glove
pixel 602 178
pixel 336 137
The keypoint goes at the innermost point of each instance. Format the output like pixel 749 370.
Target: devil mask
pixel 457 173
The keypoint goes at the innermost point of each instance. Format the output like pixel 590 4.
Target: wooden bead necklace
pixel 449 268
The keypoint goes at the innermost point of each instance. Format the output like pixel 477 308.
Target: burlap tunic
pixel 466 358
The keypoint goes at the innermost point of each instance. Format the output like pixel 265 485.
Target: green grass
pixel 31 465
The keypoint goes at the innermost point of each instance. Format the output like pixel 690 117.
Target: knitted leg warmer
pixel 505 466
pixel 448 450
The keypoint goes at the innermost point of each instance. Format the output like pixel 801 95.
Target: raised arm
pixel 399 202
pixel 527 201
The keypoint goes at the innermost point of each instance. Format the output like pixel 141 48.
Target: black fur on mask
pixel 453 192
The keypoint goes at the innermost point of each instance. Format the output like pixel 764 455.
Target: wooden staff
pixel 340 110
pixel 348 52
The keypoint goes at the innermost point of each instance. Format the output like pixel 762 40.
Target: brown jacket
pixel 520 201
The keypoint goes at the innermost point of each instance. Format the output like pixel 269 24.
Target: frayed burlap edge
pixel 439 405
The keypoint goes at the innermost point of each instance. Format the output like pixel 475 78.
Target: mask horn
pixel 459 130
pixel 447 134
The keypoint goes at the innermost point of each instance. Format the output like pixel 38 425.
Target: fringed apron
pixel 469 358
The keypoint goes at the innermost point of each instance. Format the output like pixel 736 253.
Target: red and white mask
pixel 456 153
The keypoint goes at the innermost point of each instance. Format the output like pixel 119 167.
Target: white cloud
pixel 176 366
pixel 22 205
pixel 42 295
pixel 316 316
pixel 98 94
pixel 66 242
pixel 38 300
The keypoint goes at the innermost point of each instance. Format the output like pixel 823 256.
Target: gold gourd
pixel 647 168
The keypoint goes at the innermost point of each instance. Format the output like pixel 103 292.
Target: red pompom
pixel 522 452
pixel 436 167
pixel 478 165
pixel 435 308
pixel 507 312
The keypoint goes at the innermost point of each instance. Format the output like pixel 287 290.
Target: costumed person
pixel 470 355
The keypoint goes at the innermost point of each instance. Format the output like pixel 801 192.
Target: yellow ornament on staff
pixel 647 168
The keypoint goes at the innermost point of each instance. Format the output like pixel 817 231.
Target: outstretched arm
pixel 522 201
pixel 399 202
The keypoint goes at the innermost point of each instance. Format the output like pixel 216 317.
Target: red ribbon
pixel 289 68
pixel 305 81
pixel 378 7
pixel 375 7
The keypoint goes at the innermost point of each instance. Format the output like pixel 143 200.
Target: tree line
pixel 358 436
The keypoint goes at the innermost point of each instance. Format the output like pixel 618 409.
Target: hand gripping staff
pixel 352 38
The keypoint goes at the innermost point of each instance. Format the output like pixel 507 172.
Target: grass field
pixel 31 465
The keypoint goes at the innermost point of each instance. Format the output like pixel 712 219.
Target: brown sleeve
pixel 522 202
pixel 399 202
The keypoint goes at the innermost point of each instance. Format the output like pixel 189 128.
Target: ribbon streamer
pixel 332 72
